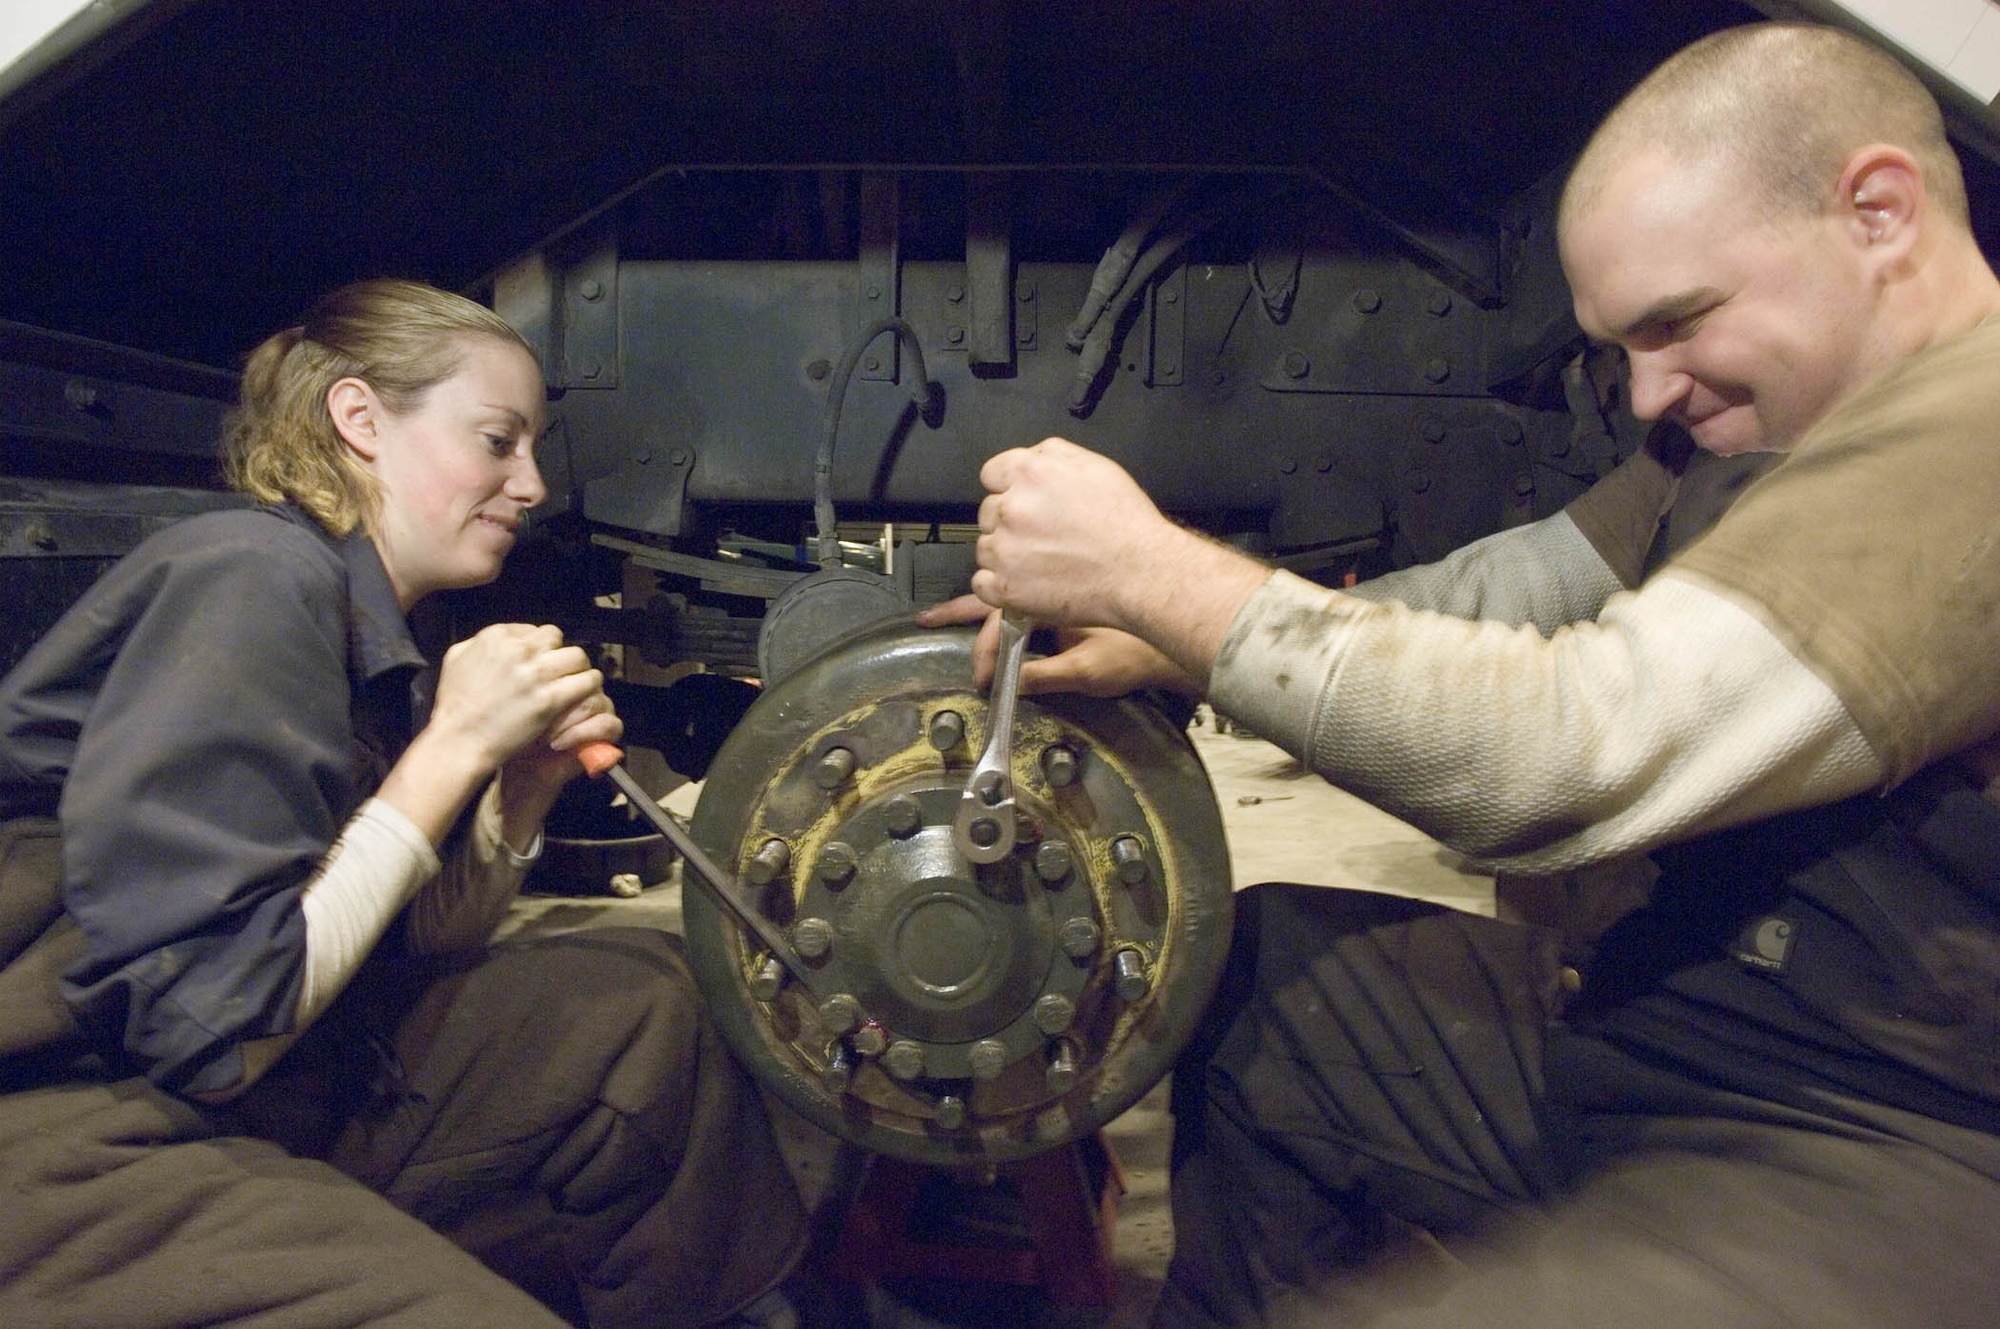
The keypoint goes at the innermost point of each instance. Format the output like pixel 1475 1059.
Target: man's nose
pixel 1656 386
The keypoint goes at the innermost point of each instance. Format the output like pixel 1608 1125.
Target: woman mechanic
pixel 265 974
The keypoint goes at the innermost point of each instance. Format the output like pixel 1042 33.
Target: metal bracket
pixel 881 270
pixel 590 321
pixel 653 501
pixel 989 271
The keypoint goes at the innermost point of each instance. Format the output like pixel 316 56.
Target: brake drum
pixel 955 1012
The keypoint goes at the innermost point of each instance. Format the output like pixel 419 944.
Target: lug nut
pixel 812 938
pixel 1053 861
pixel 769 863
pixel 1079 938
pixel 839 1070
pixel 839 1014
pixel 951 1112
pixel 834 767
pixel 988 1057
pixel 947 730
pixel 1060 1076
pixel 1053 1013
pixel 837 861
pixel 1130 858
pixel 1131 981
pixel 769 980
pixel 903 816
pixel 904 1059
pixel 1059 765
pixel 870 1038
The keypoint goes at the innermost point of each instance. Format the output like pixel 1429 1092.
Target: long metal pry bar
pixel 604 759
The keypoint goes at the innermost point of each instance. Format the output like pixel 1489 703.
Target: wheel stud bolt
pixel 1131 982
pixel 769 863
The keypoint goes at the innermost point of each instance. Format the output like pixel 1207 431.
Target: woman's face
pixel 458 473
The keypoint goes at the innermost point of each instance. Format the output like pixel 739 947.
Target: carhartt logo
pixel 1766 944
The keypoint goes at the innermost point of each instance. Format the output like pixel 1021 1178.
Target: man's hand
pixel 1063 534
pixel 1068 538
pixel 1092 662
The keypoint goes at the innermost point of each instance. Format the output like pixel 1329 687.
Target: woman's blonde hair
pixel 401 338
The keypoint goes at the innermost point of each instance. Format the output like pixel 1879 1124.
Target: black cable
pixel 929 403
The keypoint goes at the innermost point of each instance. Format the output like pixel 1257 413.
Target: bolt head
pixel 1131 981
pixel 989 1057
pixel 1130 856
pixel 833 768
pixel 839 1014
pixel 947 730
pixel 951 1112
pixel 1053 1013
pixel 1060 765
pixel 903 816
pixel 1053 861
pixel 904 1059
pixel 1060 1075
pixel 837 861
pixel 812 937
pixel 1079 938
pixel 984 832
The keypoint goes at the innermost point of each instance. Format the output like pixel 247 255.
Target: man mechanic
pixel 1771 1095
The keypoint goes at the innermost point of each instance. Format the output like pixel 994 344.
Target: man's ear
pixel 356 411
pixel 1882 200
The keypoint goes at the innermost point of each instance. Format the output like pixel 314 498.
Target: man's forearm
pixel 1185 599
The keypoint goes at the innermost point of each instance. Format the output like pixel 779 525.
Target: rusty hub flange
pixel 958 1012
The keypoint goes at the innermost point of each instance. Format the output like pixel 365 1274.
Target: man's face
pixel 1741 328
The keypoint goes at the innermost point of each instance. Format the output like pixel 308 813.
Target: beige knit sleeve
pixel 1676 711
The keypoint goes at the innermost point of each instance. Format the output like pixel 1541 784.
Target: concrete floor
pixel 1283 825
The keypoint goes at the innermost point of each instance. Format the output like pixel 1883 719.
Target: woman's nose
pixel 525 485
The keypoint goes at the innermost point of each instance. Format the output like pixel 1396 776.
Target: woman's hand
pixel 511 686
pixel 549 762
pixel 511 698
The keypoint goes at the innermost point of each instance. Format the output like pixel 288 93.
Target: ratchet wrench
pixel 984 828
pixel 604 759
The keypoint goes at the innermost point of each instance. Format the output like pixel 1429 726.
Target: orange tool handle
pixel 599 757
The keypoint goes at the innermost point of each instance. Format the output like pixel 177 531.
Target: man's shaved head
pixel 1785 106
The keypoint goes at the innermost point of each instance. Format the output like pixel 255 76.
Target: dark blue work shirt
pixel 204 721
